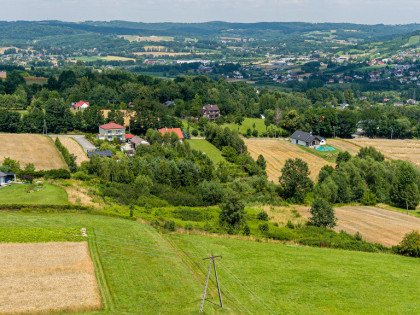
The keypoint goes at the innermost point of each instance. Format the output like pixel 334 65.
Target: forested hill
pixel 29 31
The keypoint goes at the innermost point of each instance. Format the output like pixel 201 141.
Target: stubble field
pixel 74 148
pixel 408 150
pixel 276 152
pixel 31 148
pixel 47 277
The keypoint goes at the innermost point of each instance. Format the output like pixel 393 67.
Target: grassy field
pixel 48 194
pixel 117 58
pixel 211 151
pixel 141 269
pixel 276 152
pixel 248 124
pixel 31 148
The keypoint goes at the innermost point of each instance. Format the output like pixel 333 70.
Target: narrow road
pixel 86 145
pixel 376 225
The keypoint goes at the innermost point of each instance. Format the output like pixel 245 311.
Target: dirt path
pixel 376 225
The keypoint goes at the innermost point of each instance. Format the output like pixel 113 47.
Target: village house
pixel 110 131
pixel 307 139
pixel 212 112
pixel 136 141
pixel 177 131
pixel 80 105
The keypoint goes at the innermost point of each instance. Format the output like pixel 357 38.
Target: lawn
pixel 211 151
pixel 47 195
pixel 248 123
pixel 140 269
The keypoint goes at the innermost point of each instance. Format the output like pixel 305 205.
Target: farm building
pixel 178 132
pixel 110 131
pixel 307 139
pixel 6 177
pixel 212 112
pixel 80 105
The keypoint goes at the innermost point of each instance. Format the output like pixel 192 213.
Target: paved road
pixel 86 145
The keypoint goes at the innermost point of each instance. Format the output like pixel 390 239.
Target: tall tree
pixel 294 181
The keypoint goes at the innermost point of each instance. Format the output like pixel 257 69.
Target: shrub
pixel 369 198
pixel 323 214
pixel 290 225
pixel 264 228
pixel 189 226
pixel 211 192
pixel 60 173
pixel 81 176
pixel 263 216
pixel 169 225
pixel 410 245
pixel 194 132
pixel 358 236
pixel 247 230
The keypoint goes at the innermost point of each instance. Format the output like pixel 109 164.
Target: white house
pixel 80 105
pixel 307 139
pixel 110 131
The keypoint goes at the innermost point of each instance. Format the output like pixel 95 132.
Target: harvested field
pixel 344 145
pixel 408 150
pixel 117 58
pixel 47 277
pixel 375 224
pixel 276 152
pixel 31 148
pixel 171 54
pixel 127 115
pixel 74 148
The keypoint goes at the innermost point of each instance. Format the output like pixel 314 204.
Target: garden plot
pixel 47 277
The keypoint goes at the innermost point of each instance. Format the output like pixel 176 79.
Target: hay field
pixel 31 148
pixel 117 58
pixel 276 152
pixel 127 115
pixel 376 225
pixel 408 150
pixel 74 148
pixel 47 277
pixel 171 54
pixel 344 145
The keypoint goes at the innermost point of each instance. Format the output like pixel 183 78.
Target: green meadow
pixel 143 270
pixel 45 194
pixel 210 150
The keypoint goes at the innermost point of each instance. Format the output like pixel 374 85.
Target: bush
pixel 290 225
pixel 410 245
pixel 369 198
pixel 263 216
pixel 151 201
pixel 247 230
pixel 81 176
pixel 211 192
pixel 169 225
pixel 322 214
pixel 194 132
pixel 60 173
pixel 264 228
pixel 188 226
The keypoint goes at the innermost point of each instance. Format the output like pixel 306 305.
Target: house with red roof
pixel 177 131
pixel 80 105
pixel 110 131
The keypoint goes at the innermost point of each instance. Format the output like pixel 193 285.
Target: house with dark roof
pixel 107 153
pixel 136 141
pixel 212 112
pixel 307 139
pixel 110 131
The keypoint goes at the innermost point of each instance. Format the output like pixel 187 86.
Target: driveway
pixel 86 145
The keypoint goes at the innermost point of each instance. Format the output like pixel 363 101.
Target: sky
pixel 354 11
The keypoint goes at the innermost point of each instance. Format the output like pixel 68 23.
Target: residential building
pixel 80 105
pixel 212 112
pixel 136 141
pixel 110 131
pixel 307 139
pixel 178 132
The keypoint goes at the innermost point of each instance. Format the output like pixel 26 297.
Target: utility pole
pixel 212 260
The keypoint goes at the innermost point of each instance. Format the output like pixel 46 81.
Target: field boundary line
pixel 107 300
pixel 58 152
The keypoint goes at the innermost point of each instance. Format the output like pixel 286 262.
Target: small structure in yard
pixel 212 112
pixel 307 139
pixel 178 132
pixel 136 141
pixel 6 177
pixel 80 105
pixel 110 131
pixel 107 153
pixel 128 137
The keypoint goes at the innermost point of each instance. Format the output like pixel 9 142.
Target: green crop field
pixel 141 269
pixel 44 194
pixel 211 151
